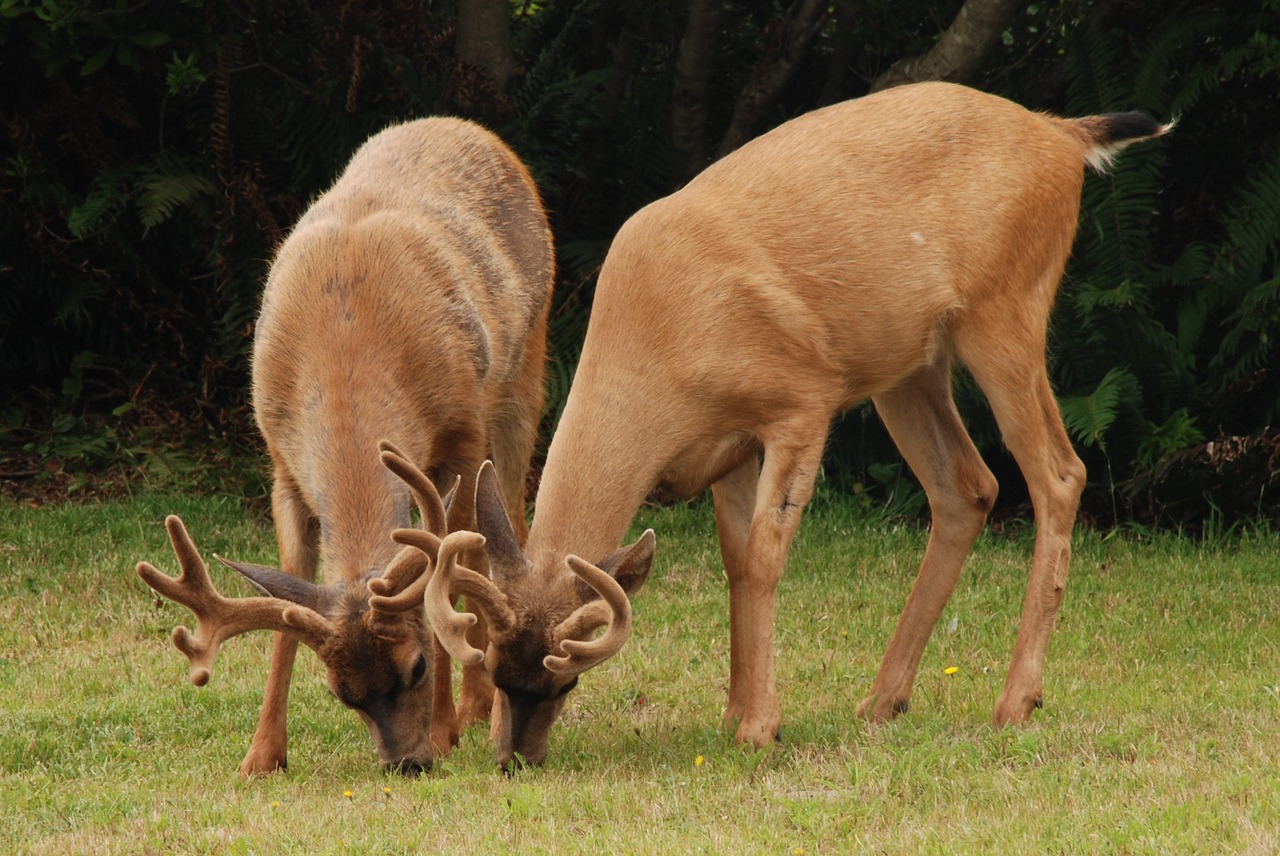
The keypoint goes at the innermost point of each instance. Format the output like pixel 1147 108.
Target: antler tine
pixel 613 610
pixel 219 618
pixel 430 505
pixel 451 580
pixel 408 565
pixel 425 546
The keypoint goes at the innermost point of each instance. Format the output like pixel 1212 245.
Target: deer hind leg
pixel 1014 379
pixel 791 462
pixel 734 496
pixel 298 536
pixel 922 419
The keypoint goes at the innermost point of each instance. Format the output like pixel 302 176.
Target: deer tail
pixel 1105 135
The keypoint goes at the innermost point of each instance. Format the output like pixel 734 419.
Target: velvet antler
pixel 219 618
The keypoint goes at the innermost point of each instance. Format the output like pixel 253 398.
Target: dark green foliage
pixel 156 152
pixel 1163 329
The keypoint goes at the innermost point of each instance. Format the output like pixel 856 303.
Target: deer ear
pixel 630 565
pixel 450 496
pixel 275 583
pixel 492 521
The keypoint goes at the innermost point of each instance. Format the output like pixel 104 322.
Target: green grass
pixel 1161 731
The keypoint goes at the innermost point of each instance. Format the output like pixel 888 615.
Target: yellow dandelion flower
pixel 275 803
pixel 950 670
pixel 347 794
pixel 697 762
pixel 799 851
pixel 386 791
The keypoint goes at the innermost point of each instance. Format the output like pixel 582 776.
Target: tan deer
pixel 856 252
pixel 409 303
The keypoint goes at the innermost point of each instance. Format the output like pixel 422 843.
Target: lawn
pixel 1161 730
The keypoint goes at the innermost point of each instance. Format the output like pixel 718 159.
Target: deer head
pixel 369 634
pixel 542 624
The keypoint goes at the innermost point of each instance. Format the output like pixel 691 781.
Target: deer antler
pixel 219 618
pixel 451 580
pixel 612 611
pixel 434 509
pixel 426 547
pixel 409 565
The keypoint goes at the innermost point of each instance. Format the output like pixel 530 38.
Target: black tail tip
pixel 1131 125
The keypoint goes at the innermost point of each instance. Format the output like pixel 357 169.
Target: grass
pixel 1161 731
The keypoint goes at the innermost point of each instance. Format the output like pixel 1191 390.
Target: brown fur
pixel 859 251
pixel 409 303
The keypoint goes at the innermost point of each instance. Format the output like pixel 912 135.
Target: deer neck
pixel 359 502
pixel 604 459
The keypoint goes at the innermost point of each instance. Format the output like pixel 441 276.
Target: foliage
pixel 157 152
pixel 1171 300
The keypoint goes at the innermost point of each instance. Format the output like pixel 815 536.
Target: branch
pixel 960 50
pixel 693 83
pixel 771 75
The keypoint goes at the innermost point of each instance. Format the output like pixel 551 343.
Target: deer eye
pixel 419 668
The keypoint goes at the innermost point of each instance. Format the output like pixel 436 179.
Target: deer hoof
pixel 255 764
pixel 759 733
pixel 1015 711
pixel 877 708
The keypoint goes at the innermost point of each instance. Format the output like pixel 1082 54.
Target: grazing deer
pixel 856 252
pixel 410 303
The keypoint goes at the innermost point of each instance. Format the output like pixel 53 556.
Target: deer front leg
pixel 444 717
pixel 269 750
pixel 784 488
pixel 922 419
pixel 297 533
pixel 475 698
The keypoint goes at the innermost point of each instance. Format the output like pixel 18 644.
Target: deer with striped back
pixel 403 323
pixel 858 252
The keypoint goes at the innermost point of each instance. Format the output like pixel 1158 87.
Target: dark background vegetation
pixel 155 151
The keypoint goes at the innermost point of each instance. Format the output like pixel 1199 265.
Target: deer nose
pixel 408 767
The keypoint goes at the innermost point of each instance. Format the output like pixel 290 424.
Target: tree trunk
pixel 692 85
pixel 773 72
pixel 960 50
pixel 843 49
pixel 484 39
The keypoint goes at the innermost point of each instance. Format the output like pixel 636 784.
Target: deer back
pixel 814 268
pixel 405 304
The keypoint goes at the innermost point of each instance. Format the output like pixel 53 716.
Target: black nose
pixel 408 767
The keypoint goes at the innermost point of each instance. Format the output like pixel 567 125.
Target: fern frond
pixel 162 194
pixel 1087 417
pixel 100 207
pixel 1248 268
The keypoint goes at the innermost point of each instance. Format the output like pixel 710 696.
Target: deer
pixel 860 251
pixel 402 325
